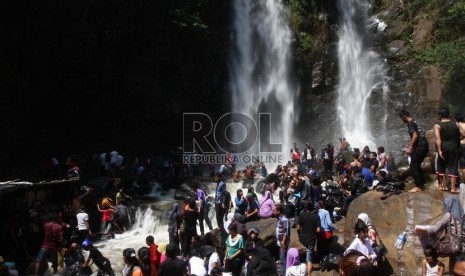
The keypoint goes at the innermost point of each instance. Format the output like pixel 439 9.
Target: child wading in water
pixel 431 266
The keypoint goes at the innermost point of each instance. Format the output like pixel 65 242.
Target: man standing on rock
pixel 417 149
pixel 447 139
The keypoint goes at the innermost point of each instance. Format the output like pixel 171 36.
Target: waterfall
pixel 361 74
pixel 260 68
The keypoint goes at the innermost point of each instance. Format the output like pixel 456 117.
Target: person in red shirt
pixel 155 256
pixel 107 216
pixel 53 239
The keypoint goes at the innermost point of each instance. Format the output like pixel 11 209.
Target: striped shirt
pixel 283 228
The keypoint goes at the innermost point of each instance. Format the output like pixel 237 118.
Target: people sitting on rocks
pixel 252 211
pixel 240 202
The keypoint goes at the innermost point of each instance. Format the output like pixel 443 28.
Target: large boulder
pixel 393 216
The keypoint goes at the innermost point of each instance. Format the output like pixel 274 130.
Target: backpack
pixel 450 243
pixel 333 195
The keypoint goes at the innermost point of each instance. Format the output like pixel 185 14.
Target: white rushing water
pixel 362 72
pixel 260 68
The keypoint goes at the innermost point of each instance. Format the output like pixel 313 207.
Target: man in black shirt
pixel 417 149
pixel 96 257
pixel 172 266
pixel 309 225
pixel 447 140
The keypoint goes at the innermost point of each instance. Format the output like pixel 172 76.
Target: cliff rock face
pixel 419 41
pixel 393 216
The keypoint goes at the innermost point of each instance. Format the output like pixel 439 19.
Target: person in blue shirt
pixel 326 231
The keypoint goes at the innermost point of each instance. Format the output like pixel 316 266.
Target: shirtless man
pixel 459 118
pixel 447 139
pixel 355 162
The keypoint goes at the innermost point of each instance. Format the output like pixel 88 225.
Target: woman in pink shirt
pixel 266 206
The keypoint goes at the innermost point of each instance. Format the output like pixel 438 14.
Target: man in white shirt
pixel 83 224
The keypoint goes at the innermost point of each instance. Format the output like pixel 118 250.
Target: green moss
pixel 310 35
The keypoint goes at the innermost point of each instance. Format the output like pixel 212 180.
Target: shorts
pixel 50 254
pixel 310 249
pixel 449 163
pixel 462 156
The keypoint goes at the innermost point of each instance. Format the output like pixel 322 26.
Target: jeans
pixel 309 256
pixel 282 258
pixel 416 158
pixel 203 215
pixel 219 218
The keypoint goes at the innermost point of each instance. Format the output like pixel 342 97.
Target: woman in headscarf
pixel 173 223
pixel 266 205
pixel 453 215
pixel 252 243
pixel 230 219
pixel 293 265
pixel 371 228
pixel 361 242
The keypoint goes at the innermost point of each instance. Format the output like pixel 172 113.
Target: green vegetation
pixel 447 41
pixel 444 45
pixel 450 55
pixel 308 21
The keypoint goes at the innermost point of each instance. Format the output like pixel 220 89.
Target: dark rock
pixel 184 192
pixel 403 172
pixel 317 74
pixel 397 48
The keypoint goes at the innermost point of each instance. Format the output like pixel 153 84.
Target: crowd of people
pixel 313 190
